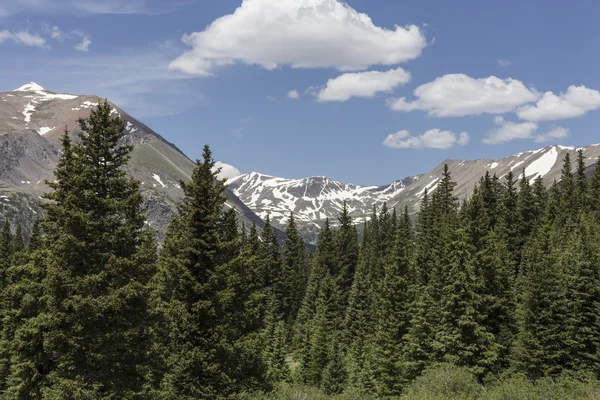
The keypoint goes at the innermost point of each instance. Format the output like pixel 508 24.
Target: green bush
pixel 448 382
pixel 566 387
pixel 444 382
pixel 300 392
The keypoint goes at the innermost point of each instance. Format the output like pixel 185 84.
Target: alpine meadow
pixel 461 263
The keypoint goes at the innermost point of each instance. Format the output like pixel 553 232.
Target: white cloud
pixel 577 101
pixel 556 133
pixel 508 131
pixel 362 84
pixel 433 138
pixel 57 34
pixel 24 37
pixel 84 45
pixel 504 63
pixel 54 32
pixel 227 171
pixel 271 98
pixel 293 94
pixel 298 33
pixel 458 95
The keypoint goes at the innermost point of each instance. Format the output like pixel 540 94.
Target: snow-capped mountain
pixel 32 120
pixel 311 199
pixel 314 199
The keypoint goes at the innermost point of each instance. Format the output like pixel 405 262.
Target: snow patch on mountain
pixel 29 109
pixel 85 104
pixel 29 87
pixel 543 165
pixel 42 131
pixel 157 179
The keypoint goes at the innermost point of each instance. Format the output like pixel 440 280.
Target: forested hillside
pixel 497 295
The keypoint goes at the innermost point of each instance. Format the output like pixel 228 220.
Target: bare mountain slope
pixel 32 119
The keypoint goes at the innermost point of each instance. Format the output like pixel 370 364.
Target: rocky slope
pixel 314 199
pixel 32 119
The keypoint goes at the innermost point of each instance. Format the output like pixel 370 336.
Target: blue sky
pixel 385 89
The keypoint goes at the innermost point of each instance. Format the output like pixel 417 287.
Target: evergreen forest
pixel 494 297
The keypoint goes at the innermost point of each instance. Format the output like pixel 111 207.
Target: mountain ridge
pixel 31 121
pixel 277 197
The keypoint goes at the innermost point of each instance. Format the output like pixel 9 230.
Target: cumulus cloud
pixel 504 63
pixel 298 33
pixel 362 84
pixel 23 38
pixel 458 95
pixel 227 171
pixel 577 101
pixel 84 45
pixel 508 131
pixel 433 138
pixel 293 94
pixel 554 134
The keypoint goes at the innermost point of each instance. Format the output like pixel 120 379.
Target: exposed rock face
pixel 314 199
pixel 32 120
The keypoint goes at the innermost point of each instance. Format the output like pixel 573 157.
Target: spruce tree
pixel 510 217
pixel 581 182
pixel 463 338
pixel 540 347
pixel 359 317
pixel 96 330
pixel 293 259
pixel 5 247
pixel 346 247
pixel 321 315
pixel 191 290
pixel 580 260
pixel 392 315
pixel 594 189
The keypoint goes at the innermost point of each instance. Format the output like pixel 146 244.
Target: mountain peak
pixel 29 87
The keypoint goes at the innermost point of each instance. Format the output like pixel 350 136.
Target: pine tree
pixel 527 219
pixel 35 240
pixel 491 192
pixel 392 315
pixel 193 293
pixel 540 349
pixel 462 338
pixel 510 218
pixel 568 196
pixel 321 315
pixel 97 333
pixel 594 188
pixel 346 247
pixel 581 182
pixel 359 317
pixel 5 247
pixel 580 260
pixel 293 255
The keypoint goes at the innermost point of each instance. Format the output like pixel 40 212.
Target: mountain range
pixel 32 120
pixel 312 200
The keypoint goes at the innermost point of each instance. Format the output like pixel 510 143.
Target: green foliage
pixel 443 381
pixel 199 287
pixel 94 317
pixel 496 298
